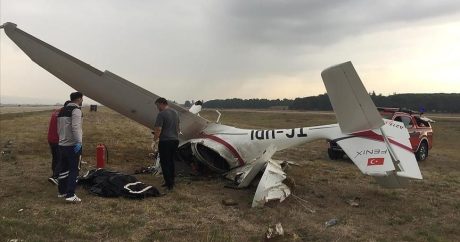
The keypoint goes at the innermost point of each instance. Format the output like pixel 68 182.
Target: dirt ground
pixel 427 210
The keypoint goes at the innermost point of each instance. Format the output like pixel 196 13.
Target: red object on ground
pixel 100 156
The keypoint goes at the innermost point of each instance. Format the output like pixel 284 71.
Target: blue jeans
pixel 68 170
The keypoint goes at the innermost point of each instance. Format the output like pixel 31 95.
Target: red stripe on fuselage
pixel 227 145
pixel 374 136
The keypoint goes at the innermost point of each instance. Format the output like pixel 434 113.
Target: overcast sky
pixel 201 49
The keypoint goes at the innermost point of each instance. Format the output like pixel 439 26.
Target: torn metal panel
pixel 271 185
pixel 244 175
pixel 285 164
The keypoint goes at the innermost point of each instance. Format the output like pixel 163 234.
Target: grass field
pixel 428 210
pixel 24 108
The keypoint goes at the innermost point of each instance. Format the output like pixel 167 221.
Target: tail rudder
pixel 353 107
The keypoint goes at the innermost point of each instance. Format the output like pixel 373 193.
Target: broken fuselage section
pixel 240 154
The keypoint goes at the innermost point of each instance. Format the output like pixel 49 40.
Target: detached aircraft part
pixel 379 148
pixel 105 87
pixel 270 186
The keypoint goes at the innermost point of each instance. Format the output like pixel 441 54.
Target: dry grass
pixel 24 108
pixel 428 210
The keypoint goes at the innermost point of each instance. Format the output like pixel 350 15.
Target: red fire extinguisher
pixel 102 156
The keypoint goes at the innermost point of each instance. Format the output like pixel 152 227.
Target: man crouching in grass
pixel 70 144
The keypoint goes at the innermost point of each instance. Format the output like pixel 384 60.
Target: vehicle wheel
pixel 422 152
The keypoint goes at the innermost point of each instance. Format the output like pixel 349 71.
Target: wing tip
pixel 324 72
pixel 8 25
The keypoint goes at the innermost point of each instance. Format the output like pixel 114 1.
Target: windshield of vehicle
pixel 386 115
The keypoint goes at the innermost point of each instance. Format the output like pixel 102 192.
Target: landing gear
pixel 334 154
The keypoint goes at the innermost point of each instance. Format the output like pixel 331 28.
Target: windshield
pixel 386 115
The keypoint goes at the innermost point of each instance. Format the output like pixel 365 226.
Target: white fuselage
pixel 241 147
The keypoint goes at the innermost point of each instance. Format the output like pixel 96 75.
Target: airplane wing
pixel 105 87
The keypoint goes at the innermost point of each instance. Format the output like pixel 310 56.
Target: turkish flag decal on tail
pixel 375 161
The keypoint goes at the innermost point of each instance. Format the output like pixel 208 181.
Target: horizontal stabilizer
pixel 384 153
pixel 369 153
pixel 398 138
pixel 352 104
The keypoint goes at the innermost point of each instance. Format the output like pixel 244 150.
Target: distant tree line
pixel 247 103
pixel 436 102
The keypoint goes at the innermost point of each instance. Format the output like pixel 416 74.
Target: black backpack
pixel 114 184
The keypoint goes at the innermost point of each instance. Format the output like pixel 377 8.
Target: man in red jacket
pixel 53 141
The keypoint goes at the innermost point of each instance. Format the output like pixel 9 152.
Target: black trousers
pixel 168 149
pixel 54 159
pixel 68 170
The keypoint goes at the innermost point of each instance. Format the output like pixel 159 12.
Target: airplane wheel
pixel 422 152
pixel 331 154
pixel 334 155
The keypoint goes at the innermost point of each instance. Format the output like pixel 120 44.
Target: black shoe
pixel 53 181
pixel 170 187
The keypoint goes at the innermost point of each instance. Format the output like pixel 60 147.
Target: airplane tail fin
pixel 380 149
pixel 352 105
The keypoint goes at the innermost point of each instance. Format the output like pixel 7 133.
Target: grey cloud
pixel 211 47
pixel 266 37
pixel 318 22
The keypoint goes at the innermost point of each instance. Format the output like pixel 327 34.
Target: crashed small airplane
pixel 240 154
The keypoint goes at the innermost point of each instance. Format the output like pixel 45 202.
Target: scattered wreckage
pixel 240 154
